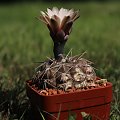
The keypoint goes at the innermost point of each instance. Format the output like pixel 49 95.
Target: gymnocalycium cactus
pixel 63 72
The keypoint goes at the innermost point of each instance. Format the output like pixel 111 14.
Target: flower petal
pixel 57 19
pixel 47 19
pixel 55 10
pixel 68 27
pixel 75 15
pixel 43 13
pixel 42 19
pixel 49 12
pixel 70 12
pixel 64 21
pixel 54 25
pixel 62 13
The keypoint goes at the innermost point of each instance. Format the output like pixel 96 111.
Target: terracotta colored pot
pixel 94 101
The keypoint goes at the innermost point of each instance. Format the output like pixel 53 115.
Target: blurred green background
pixel 25 41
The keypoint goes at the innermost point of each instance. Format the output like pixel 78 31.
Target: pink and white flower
pixel 59 20
pixel 59 23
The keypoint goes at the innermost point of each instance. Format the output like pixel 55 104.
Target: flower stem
pixel 58 49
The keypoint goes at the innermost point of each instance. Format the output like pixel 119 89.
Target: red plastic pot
pixel 94 101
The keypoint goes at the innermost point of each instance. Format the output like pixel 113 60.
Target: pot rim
pixel 109 84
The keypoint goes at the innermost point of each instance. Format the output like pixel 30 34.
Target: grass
pixel 24 41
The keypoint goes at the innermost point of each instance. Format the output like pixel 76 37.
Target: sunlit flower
pixel 59 23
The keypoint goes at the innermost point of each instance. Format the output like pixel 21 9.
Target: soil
pixel 52 91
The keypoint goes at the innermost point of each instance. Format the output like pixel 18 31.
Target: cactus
pixel 63 72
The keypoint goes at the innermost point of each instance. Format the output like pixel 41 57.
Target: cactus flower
pixel 59 23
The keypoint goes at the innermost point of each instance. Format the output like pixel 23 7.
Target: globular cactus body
pixel 67 73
